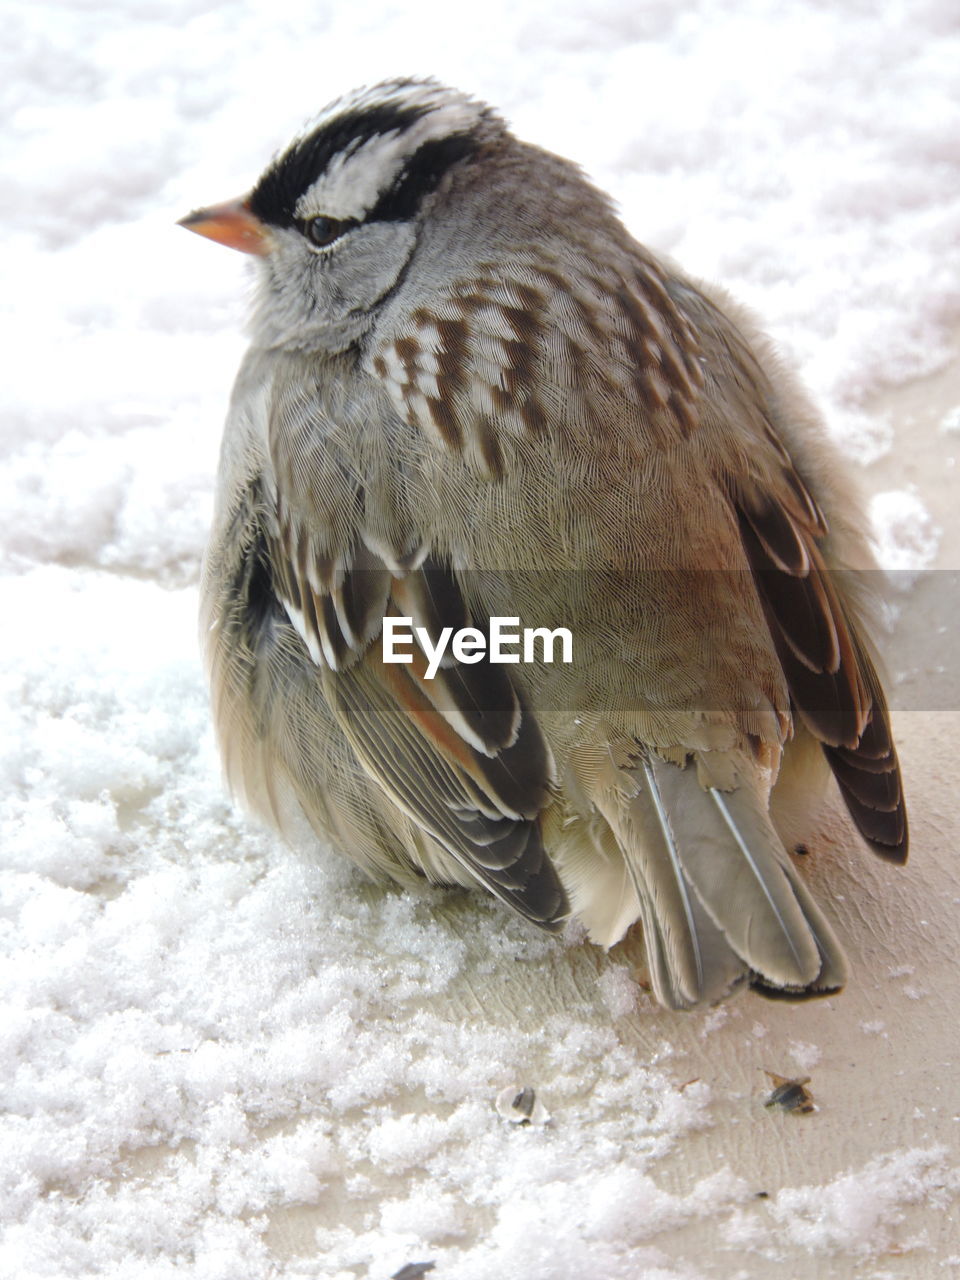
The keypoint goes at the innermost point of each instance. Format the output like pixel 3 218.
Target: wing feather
pixel 831 677
pixel 460 754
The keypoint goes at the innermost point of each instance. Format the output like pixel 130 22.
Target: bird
pixel 473 400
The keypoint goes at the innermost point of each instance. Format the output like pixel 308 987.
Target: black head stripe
pixel 275 196
pixel 419 176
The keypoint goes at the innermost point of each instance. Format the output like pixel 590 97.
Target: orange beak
pixel 232 224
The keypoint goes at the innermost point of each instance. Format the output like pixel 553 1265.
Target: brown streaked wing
pixel 870 782
pixel 461 754
pixel 465 800
pixel 478 699
pixel 832 680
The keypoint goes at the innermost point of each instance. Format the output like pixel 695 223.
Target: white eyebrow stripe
pixel 354 180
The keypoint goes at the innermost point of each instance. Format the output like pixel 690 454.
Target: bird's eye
pixel 322 230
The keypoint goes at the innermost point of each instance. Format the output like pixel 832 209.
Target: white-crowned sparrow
pixel 472 395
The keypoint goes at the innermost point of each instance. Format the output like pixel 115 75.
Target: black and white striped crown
pixel 373 155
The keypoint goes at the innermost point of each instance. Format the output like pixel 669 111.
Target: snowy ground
pixel 221 1060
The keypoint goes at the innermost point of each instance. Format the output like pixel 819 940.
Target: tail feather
pixel 833 964
pixel 775 905
pixel 640 828
pixel 678 893
pixel 720 901
pixel 739 870
pixel 720 971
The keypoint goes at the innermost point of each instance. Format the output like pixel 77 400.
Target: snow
pixel 805 1056
pixel 907 538
pixel 206 1034
pixel 862 1211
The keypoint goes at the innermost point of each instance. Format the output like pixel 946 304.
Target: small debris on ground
pixel 790 1094
pixel 413 1271
pixel 520 1105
